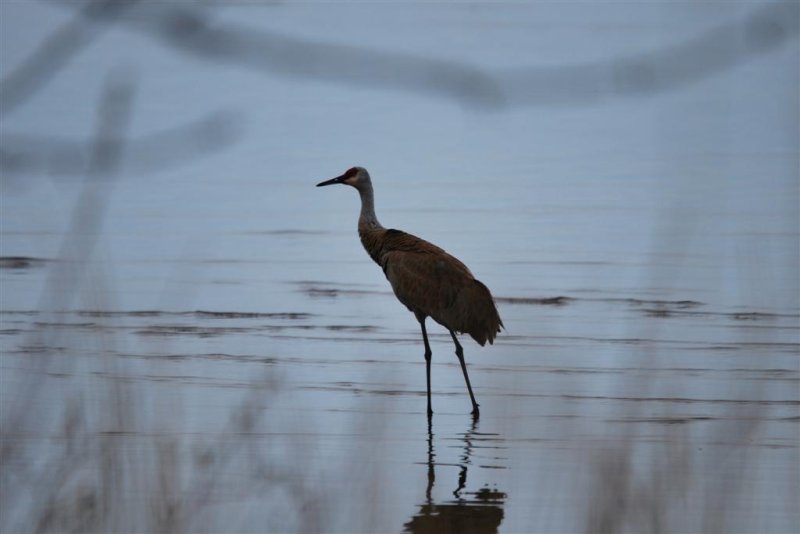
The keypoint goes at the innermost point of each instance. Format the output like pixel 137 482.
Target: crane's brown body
pixel 428 280
pixel 432 283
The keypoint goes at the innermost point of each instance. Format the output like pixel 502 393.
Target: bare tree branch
pixel 32 154
pixel 67 274
pixel 55 51
pixel 716 50
pixel 191 31
pixel 764 29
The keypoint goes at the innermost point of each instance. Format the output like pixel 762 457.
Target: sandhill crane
pixel 428 280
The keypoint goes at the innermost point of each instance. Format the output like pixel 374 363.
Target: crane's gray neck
pixel 367 219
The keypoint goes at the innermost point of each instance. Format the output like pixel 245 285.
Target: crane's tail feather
pixel 477 314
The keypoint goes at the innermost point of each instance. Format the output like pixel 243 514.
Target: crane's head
pixel 357 177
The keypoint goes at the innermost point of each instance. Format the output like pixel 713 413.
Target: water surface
pixel 217 353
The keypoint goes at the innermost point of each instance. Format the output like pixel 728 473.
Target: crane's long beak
pixel 337 180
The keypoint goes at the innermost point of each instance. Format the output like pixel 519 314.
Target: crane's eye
pixel 352 171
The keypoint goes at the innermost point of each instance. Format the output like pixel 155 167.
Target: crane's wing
pixel 424 277
pixel 432 283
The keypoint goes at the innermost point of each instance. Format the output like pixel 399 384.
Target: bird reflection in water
pixel 479 512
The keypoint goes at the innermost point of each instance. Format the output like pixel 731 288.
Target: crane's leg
pixel 460 353
pixel 428 354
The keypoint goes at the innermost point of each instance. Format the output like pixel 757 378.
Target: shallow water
pixel 335 404
pixel 217 352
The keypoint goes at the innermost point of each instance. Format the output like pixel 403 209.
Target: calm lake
pixel 194 340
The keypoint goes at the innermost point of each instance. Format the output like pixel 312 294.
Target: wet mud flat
pixel 315 420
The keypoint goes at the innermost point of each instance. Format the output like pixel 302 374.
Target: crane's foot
pixel 475 412
pixel 430 412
